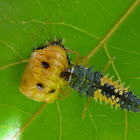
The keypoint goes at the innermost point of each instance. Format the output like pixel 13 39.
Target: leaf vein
pixel 13 64
pixel 60 117
pixel 29 122
pixel 10 47
pixel 113 29
pixel 108 12
pixel 15 108
pixel 133 52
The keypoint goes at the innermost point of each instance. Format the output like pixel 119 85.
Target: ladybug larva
pixel 95 84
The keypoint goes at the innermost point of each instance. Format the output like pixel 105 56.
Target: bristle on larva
pixel 116 85
pixel 111 92
pixel 111 100
pixel 117 95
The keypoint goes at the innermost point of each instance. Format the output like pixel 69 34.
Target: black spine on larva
pixel 85 80
pixel 130 102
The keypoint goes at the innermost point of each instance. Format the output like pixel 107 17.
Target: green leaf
pixel 110 27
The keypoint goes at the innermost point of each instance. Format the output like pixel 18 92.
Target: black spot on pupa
pixel 45 64
pixel 24 81
pixel 40 86
pixel 52 91
pixel 61 74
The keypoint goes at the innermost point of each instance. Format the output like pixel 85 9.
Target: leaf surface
pixel 110 27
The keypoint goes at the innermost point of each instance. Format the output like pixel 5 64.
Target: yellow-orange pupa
pixel 41 79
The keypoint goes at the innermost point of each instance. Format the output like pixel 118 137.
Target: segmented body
pixel 47 71
pixel 41 79
pixel 95 84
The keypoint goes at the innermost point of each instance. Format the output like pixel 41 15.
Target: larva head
pixel 35 88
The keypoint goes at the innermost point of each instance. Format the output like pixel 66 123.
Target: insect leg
pixel 108 63
pixel 65 89
pixel 66 95
pixel 85 61
pixel 86 106
pixel 77 56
